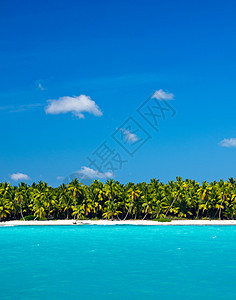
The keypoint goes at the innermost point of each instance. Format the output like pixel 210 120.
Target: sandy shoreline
pixel 128 222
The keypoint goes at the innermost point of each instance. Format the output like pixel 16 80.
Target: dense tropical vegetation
pixel 180 199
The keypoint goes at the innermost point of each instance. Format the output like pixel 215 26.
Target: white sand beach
pixel 116 222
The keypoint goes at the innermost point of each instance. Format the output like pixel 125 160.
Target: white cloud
pixel 76 105
pixel 40 86
pixel 228 142
pixel 19 176
pixel 20 108
pixel 60 177
pixel 162 95
pixel 130 137
pixel 93 174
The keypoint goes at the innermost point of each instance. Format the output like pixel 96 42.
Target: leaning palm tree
pixel 176 192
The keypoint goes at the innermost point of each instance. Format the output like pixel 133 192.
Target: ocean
pixel 117 262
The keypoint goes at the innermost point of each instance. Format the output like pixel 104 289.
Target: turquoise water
pixel 118 262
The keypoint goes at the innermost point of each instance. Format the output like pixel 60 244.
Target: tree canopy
pixel 180 199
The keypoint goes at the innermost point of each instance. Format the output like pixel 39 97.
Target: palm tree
pixel 96 196
pixel 65 201
pixel 223 191
pixel 112 193
pixel 204 193
pixel 111 210
pixel 4 208
pixel 133 194
pixel 19 198
pixel 176 192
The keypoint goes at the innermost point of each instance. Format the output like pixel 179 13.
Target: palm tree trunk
pixel 128 210
pixel 48 216
pixel 223 198
pixel 199 208
pixel 145 216
pixel 21 213
pixel 170 206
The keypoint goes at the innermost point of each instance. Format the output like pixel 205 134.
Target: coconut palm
pixel 133 196
pixel 204 193
pixel 5 208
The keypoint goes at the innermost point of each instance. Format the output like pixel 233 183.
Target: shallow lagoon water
pixel 118 262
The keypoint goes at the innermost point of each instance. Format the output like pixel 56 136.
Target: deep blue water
pixel 118 262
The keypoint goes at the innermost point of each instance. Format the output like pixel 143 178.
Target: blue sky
pixel 117 54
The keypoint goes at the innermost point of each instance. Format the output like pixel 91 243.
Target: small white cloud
pixel 40 86
pixel 20 108
pixel 19 176
pixel 60 177
pixel 130 137
pixel 93 174
pixel 228 142
pixel 162 95
pixel 77 105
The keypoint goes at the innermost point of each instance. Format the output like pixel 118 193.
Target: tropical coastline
pixel 118 150
pixel 115 222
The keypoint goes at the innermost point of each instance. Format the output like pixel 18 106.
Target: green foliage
pixel 180 199
pixel 29 218
pixel 162 220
